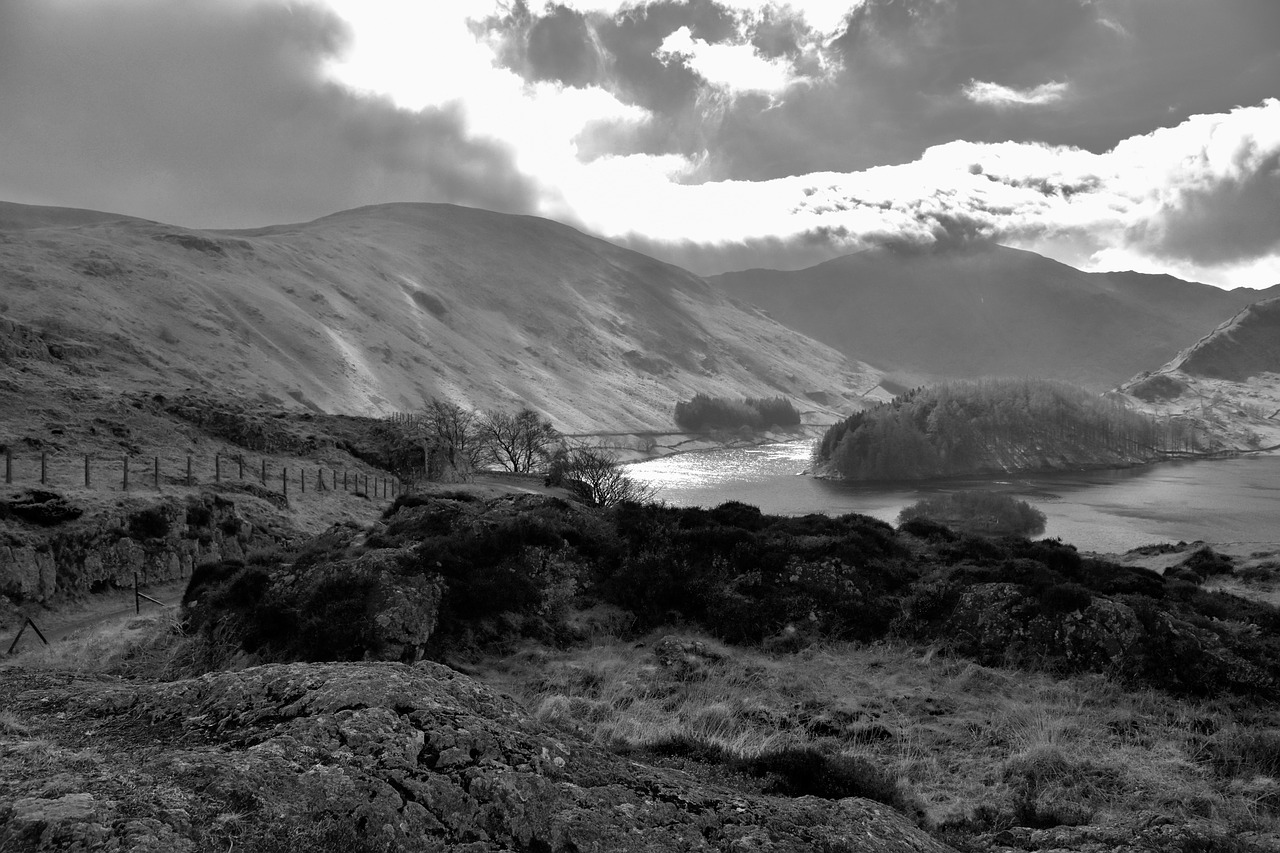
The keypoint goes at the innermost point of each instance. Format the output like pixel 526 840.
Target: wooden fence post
pixel 319 479
pixel 44 468
pixel 344 480
pixel 284 482
pixel 335 479
pixel 302 481
pixel 157 472
pixel 88 483
pixel 124 460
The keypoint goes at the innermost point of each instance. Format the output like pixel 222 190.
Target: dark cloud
pixel 1232 219
pixel 895 78
pixel 216 113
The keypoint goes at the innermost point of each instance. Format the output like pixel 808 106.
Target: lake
pixel 1234 501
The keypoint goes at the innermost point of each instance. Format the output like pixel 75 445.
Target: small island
pixel 997 426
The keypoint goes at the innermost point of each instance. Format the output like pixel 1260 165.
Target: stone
pixel 407 758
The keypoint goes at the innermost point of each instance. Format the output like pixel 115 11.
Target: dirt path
pixel 74 619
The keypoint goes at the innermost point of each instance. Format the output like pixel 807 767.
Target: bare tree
pixel 520 442
pixel 596 477
pixel 450 435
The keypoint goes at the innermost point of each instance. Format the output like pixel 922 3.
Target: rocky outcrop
pixel 19 341
pixel 371 756
pixel 166 541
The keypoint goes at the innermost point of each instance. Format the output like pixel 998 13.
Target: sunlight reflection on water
pixel 1234 500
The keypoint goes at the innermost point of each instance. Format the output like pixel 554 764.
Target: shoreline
pixel 986 474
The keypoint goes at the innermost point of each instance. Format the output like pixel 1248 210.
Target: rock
pixel 673 651
pixel 161 542
pixel 405 758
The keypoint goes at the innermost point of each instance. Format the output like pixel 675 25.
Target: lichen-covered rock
pixel 386 756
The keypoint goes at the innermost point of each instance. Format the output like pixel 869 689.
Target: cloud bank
pixel 719 135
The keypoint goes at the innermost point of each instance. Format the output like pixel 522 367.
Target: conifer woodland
pixel 968 427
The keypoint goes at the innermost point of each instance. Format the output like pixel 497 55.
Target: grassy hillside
pixel 988 310
pixel 1229 380
pixel 373 310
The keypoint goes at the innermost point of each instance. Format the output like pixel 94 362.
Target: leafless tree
pixel 450 434
pixel 596 477
pixel 521 442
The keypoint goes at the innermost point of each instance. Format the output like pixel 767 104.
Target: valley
pixel 491 662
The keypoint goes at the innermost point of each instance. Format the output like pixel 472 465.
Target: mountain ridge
pixel 987 310
pixel 377 308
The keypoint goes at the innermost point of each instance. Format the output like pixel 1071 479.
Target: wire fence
pixel 140 473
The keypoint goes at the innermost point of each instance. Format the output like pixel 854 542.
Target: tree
pixel 596 477
pixel 450 434
pixel 520 442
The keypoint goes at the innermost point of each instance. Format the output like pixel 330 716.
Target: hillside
pixel 1229 379
pixel 373 310
pixel 988 310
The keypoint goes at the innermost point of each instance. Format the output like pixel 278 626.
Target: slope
pixel 375 309
pixel 988 310
pixel 1229 380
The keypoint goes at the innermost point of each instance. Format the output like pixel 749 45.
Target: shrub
pixel 596 477
pixel 150 523
pixel 1065 598
pixel 334 621
pixel 989 513
pixel 199 515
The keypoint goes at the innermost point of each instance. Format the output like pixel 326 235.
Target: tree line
pixel 704 412
pixel 449 442
pixel 955 428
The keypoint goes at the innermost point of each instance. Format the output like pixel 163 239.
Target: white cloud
pixel 1197 200
pixel 827 17
pixel 731 67
pixel 993 94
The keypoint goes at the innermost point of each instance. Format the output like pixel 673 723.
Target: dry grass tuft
pixel 976 747
pixel 11 725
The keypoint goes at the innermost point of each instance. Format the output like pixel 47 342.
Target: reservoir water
pixel 1221 501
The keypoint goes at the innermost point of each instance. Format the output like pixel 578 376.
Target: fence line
pixel 100 472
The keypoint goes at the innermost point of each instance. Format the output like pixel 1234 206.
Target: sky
pixel 716 134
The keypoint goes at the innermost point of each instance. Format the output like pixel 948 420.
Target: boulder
pixel 381 756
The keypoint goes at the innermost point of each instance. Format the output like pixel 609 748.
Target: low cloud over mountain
pixel 720 135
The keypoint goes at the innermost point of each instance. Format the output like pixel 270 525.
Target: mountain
pixel 375 309
pixel 987 310
pixel 1229 380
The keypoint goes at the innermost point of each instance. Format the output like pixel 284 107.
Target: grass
pixel 150 646
pixel 975 748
